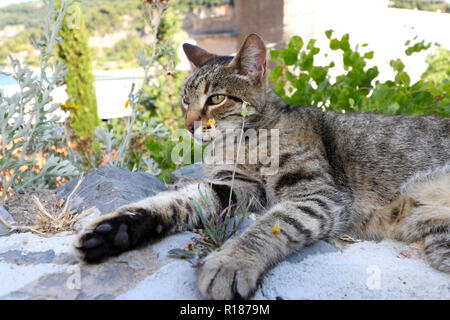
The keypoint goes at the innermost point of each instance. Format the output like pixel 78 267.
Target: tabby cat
pixel 367 175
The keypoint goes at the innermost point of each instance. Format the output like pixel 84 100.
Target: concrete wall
pixel 222 29
pixel 264 17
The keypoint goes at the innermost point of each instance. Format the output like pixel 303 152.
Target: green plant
pixel 217 229
pixel 123 142
pixel 75 52
pixel 433 5
pixel 161 95
pixel 29 127
pixel 300 81
pixel 438 69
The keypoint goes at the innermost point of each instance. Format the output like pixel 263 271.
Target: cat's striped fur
pixel 368 175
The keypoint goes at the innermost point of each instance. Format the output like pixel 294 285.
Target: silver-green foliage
pixel 28 122
pixel 118 148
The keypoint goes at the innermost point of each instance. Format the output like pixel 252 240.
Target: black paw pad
pixel 121 239
pixel 103 228
pixel 93 243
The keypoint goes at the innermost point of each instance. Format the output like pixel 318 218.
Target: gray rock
pixel 109 187
pixel 7 217
pixel 194 171
pixel 33 267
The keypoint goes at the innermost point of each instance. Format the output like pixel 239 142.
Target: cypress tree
pixel 75 52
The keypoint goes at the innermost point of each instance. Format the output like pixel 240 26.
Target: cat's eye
pixel 218 98
pixel 186 100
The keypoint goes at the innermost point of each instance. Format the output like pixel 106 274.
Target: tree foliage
pixel 438 69
pixel 75 52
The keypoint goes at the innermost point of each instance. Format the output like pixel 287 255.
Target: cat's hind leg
pixel 421 212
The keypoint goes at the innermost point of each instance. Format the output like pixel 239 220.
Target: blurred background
pixel 117 31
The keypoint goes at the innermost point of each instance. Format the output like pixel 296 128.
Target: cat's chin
pixel 203 140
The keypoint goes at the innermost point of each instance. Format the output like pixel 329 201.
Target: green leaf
pixel 205 222
pixel 289 56
pixel 296 43
pixel 318 74
pixel 274 54
pixel 334 44
pixel 404 78
pixel 328 33
pixel 306 61
pixel 393 108
pixel 277 71
pixel 203 196
pixel 311 44
pixel 368 55
pixel 181 254
pixel 344 43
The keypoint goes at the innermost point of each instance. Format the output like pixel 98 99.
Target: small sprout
pixel 276 228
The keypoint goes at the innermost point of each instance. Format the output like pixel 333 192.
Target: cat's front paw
pixel 116 233
pixel 224 276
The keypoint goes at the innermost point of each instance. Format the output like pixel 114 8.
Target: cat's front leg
pixel 144 221
pixel 234 271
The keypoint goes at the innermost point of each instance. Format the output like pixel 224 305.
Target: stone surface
pixel 7 217
pixel 107 188
pixel 33 267
pixel 190 172
pixel 365 270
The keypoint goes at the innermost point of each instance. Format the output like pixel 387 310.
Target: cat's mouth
pixel 203 137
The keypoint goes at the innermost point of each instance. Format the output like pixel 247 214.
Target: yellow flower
pixel 212 123
pixel 276 228
pixel 127 103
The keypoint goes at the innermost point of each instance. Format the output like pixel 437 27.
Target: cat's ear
pixel 251 58
pixel 196 55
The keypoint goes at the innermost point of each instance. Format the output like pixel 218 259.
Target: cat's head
pixel 218 86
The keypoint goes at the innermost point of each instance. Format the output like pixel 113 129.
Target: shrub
pixel 75 52
pixel 300 81
pixel 29 129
